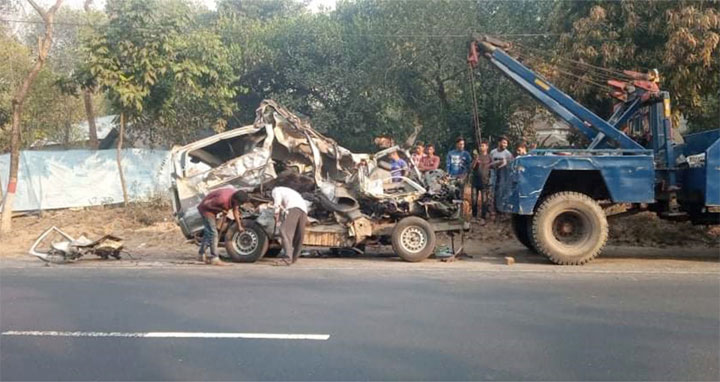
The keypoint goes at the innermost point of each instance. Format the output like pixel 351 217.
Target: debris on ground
pixel 69 249
pixel 147 228
pixel 443 251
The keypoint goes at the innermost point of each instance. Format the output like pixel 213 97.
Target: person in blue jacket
pixel 458 161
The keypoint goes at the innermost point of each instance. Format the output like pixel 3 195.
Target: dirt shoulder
pixel 150 234
pixel 143 226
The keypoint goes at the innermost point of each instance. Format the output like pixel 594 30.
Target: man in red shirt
pixel 430 161
pixel 419 154
pixel 220 200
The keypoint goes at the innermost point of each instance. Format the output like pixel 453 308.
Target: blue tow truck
pixel 560 199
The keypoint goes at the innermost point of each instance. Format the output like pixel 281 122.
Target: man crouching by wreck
pixel 291 206
pixel 220 200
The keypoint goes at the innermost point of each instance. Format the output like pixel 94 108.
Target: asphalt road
pixel 389 324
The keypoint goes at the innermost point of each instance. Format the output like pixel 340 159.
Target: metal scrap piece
pixel 72 249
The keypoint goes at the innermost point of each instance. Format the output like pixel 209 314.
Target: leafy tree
pixel 197 96
pixel 71 79
pixel 261 10
pixel 680 38
pixel 18 102
pixel 158 71
pixel 17 62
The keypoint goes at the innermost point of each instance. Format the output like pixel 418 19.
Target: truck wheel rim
pixel 413 239
pixel 571 228
pixel 246 242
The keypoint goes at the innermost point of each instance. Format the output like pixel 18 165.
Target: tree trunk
pixel 17 107
pixel 119 158
pixel 442 94
pixel 92 129
pixel 87 99
pixel 6 219
pixel 417 128
pixel 66 135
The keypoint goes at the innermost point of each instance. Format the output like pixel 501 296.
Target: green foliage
pixel 679 38
pixel 371 67
pixel 133 49
pixel 160 69
pixel 198 96
pixel 49 114
pixel 261 10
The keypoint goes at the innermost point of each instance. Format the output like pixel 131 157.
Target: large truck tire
pixel 248 246
pixel 569 228
pixel 413 239
pixel 522 228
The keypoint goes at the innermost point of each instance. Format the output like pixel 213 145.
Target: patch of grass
pixel 150 211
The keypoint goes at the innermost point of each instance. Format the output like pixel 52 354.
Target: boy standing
pixel 481 182
pixel 521 150
pixel 501 157
pixel 430 161
pixel 418 154
pixel 458 160
pixel 398 167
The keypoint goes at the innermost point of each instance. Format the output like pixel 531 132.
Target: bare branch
pixel 37 8
pixel 46 14
pixel 55 7
pixel 417 128
pixel 86 5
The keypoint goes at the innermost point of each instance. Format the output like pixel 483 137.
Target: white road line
pixel 263 336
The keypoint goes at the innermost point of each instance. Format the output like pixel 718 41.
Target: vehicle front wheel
pixel 569 228
pixel 413 239
pixel 522 229
pixel 247 246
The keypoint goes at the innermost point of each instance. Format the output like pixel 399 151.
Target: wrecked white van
pixel 353 199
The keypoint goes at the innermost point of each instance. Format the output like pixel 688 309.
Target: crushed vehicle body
pixel 353 199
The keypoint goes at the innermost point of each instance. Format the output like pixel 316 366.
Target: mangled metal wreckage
pixel 352 198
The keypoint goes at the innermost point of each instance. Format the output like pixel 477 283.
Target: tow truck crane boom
pixel 591 125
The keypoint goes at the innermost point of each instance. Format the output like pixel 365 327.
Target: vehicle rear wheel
pixel 569 228
pixel 522 228
pixel 413 239
pixel 248 246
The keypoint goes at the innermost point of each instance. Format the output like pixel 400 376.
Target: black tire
pixel 569 228
pixel 248 246
pixel 522 229
pixel 273 252
pixel 413 239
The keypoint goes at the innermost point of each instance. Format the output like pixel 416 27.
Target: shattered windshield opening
pixel 227 149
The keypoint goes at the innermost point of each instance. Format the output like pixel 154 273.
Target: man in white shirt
pixel 501 157
pixel 292 228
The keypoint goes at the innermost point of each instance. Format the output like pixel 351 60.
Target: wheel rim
pixel 571 228
pixel 413 239
pixel 245 243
